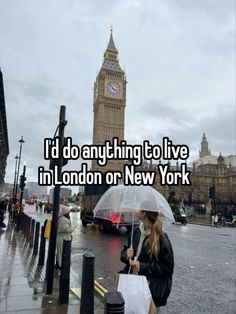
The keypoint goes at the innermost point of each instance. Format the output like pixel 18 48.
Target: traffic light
pixel 22 181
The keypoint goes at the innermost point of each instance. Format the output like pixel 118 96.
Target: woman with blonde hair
pixel 151 255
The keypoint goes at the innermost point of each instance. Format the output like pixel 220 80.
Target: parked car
pixel 86 217
pixel 180 217
pixel 113 220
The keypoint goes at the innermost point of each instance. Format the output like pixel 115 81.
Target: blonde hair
pixel 154 238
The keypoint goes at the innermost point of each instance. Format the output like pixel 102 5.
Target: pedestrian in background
pixel 212 218
pixel 2 215
pixel 64 231
pixel 151 256
pixel 11 210
pixel 16 211
pixel 41 207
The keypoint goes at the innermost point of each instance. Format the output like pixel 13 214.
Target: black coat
pixel 157 270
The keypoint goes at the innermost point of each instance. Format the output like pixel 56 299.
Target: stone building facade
pixel 207 171
pixel 4 146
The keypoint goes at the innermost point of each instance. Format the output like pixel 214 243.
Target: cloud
pixel 159 111
pixel 214 9
pixel 179 58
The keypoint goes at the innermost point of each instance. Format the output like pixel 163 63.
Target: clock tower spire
pixel 109 104
pixel 111 48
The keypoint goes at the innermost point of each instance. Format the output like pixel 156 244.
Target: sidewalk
pixel 22 285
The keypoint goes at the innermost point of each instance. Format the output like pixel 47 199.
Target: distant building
pixel 206 171
pixel 9 188
pixel 4 151
pixel 74 197
pixel 35 190
pixel 65 194
pixel 81 189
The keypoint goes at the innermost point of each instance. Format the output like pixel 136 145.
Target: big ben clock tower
pixel 109 104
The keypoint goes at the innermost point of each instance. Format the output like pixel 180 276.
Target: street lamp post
pixel 14 184
pixel 56 205
pixel 21 141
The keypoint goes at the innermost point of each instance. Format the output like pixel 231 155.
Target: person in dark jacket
pixel 151 255
pixel 2 216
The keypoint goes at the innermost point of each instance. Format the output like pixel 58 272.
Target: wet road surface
pixel 205 263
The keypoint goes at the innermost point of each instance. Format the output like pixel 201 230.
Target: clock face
pixel 113 88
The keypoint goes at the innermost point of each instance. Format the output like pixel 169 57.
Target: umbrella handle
pixel 132 231
pixel 118 224
pixel 130 259
pixel 135 259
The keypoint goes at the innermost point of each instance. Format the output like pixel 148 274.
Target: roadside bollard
pixel 25 225
pixel 64 286
pixel 22 225
pixel 87 286
pixel 46 272
pixel 29 229
pixel 114 303
pixel 32 233
pixel 18 223
pixel 47 230
pixel 36 239
pixel 19 227
pixel 42 247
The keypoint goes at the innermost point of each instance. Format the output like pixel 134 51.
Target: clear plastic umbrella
pixel 122 199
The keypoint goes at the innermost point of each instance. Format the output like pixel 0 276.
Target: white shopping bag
pixel 136 293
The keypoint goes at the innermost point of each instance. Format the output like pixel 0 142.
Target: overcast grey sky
pixel 179 58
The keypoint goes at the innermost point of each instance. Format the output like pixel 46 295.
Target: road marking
pixel 209 265
pixel 226 263
pixel 97 287
pixel 77 292
pixel 100 289
pixel 191 266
